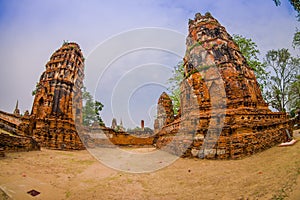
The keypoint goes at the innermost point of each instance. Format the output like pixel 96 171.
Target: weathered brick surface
pixel 165 112
pixel 223 114
pixel 11 142
pixel 2 153
pixel 12 119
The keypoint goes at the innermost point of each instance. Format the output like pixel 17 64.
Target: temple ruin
pixel 222 114
pixel 55 121
pixel 57 104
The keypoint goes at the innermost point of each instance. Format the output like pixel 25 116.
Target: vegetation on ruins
pixel 35 89
pixel 91 109
pixel 283 68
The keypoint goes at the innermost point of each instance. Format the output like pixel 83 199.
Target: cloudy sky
pixel 129 46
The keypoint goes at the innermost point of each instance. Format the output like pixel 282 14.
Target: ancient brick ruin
pixel 10 137
pixel 55 121
pixel 223 114
pixel 58 103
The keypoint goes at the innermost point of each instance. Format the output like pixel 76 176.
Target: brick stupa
pixel 57 104
pixel 223 114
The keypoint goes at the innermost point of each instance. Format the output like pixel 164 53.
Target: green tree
pixel 91 109
pixel 174 86
pixel 296 39
pixel 283 68
pixel 251 52
pixel 98 107
pixel 33 93
pixel 294 95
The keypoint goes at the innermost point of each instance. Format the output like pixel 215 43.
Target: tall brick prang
pixel 57 104
pixel 223 113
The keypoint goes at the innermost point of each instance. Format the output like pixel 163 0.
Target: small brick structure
pixel 165 112
pixel 97 136
pixel 223 114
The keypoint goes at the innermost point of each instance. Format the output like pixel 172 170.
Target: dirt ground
pixel 272 174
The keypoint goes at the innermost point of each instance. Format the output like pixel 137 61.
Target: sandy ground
pixel 272 174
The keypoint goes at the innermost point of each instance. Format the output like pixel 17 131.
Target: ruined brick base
pixel 57 134
pixel 234 142
pixel 13 143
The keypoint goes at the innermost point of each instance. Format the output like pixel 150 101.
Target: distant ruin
pixel 222 114
pixel 99 136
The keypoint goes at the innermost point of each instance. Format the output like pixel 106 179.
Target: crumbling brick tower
pixel 57 104
pixel 223 114
pixel 165 112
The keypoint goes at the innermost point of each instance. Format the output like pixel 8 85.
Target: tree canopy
pixel 296 39
pixel 174 86
pixel 294 95
pixel 91 109
pixel 283 68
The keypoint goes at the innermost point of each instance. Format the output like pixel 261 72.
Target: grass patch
pixel 84 162
pixel 66 154
pixel 68 194
pixel 88 181
pixel 194 45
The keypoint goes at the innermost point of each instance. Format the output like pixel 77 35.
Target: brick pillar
pixel 142 124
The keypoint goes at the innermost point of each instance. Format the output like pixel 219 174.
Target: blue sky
pixel 31 30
